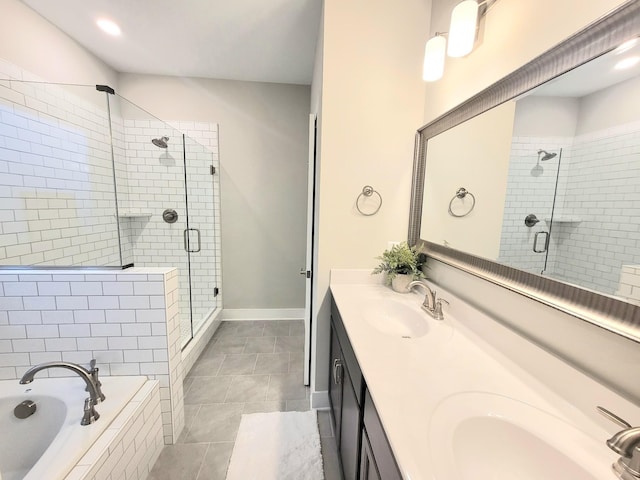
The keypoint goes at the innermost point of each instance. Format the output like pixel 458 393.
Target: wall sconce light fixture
pixel 434 53
pixel 462 32
pixel 461 38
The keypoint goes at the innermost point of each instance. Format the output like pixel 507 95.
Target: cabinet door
pixel 378 443
pixel 336 370
pixel 368 468
pixel 350 430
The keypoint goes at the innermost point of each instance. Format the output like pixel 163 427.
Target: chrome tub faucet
pixel 90 378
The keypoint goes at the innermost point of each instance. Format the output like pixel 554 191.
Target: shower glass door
pixel 165 207
pixel 531 198
pixel 200 233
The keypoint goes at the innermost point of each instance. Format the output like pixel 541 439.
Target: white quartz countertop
pixel 466 365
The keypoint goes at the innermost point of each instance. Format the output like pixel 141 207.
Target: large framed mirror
pixel 534 183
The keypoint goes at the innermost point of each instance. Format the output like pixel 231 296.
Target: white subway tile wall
pixel 57 193
pixel 629 285
pixel 57 205
pixel 596 224
pixel 530 191
pixel 127 320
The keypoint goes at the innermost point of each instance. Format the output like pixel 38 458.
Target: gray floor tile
pixel 277 328
pixel 330 460
pixel 260 345
pixel 250 329
pixel 286 387
pixel 226 329
pixel 298 405
pixel 215 423
pixel 238 364
pixel 207 390
pixel 179 461
pixel 186 384
pixel 264 407
pixel 324 423
pixel 272 363
pixel 227 345
pixel 216 461
pixel 289 344
pixel 248 388
pixel 297 328
pixel 214 404
pixel 207 366
pixel 190 412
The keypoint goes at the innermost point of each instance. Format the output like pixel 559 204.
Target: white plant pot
pixel 400 283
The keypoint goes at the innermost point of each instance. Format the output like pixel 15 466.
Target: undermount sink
pixel 482 436
pixel 395 318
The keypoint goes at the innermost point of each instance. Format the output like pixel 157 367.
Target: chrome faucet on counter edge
pixel 95 394
pixel 431 304
pixel 626 443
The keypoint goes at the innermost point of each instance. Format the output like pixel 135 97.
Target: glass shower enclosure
pixel 89 179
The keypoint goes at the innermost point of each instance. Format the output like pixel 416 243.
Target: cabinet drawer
pixel 347 351
pixel 380 448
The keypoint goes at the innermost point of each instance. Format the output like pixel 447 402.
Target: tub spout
pixel 95 395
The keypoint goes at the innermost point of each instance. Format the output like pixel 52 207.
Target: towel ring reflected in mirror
pixel 461 193
pixel 367 192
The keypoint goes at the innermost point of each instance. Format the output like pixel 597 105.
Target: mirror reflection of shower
pixel 543 156
pixel 160 142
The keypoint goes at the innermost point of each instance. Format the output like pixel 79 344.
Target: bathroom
pixel 353 105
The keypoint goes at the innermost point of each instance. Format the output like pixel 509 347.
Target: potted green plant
pixel 402 264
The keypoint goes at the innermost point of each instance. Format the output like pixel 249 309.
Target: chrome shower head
pixel 546 156
pixel 160 142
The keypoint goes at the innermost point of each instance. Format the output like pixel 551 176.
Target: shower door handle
pixel 187 238
pixel 535 242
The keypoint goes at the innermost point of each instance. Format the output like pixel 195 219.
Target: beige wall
pixel 371 104
pixel 263 135
pixel 474 155
pixel 514 33
pixel 28 40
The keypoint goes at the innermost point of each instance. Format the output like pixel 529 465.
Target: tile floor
pixel 248 367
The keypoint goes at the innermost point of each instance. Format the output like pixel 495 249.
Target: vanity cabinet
pixel 362 445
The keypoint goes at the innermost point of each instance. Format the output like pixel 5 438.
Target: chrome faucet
pixel 95 394
pixel 626 443
pixel 431 304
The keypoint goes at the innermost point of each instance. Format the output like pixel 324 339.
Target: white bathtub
pixel 49 443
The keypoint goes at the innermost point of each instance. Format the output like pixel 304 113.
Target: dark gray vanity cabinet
pixel 363 448
pixel 346 396
pixel 381 457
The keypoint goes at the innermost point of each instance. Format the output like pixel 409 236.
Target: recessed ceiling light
pixel 109 27
pixel 627 63
pixel 626 46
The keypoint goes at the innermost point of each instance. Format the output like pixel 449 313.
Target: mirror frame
pixel 598 38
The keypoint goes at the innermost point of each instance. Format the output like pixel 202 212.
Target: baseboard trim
pixel 320 400
pixel 263 314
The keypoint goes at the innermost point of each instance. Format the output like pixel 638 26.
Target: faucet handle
pixel 437 310
pixel 613 417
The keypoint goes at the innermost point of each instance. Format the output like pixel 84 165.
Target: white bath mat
pixel 277 446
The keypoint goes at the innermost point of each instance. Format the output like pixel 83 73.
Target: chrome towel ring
pixel 461 193
pixel 368 191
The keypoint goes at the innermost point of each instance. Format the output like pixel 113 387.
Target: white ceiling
pixel 591 77
pixel 253 40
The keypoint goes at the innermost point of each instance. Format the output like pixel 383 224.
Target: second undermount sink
pixel 482 436
pixel 396 319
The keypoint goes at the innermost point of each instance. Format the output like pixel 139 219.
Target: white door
pixel 308 269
